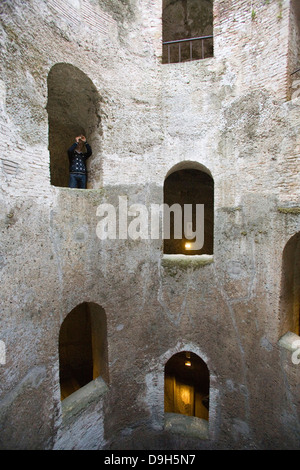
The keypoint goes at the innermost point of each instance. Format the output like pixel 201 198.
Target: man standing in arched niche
pixel 77 159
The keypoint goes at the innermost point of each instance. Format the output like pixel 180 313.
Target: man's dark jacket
pixel 78 160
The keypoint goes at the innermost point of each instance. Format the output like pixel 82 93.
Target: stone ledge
pixel 186 260
pixel 187 425
pixel 287 341
pixel 82 398
pixel 76 191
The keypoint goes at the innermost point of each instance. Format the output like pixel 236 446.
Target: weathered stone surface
pixel 232 114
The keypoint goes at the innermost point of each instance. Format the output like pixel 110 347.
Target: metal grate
pixel 194 49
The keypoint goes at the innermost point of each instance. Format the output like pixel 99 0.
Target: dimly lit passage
pixel 82 348
pixel 190 186
pixel 187 30
pixel 72 107
pixel 187 385
pixel 290 286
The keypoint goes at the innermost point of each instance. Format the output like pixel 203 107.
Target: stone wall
pixel 232 114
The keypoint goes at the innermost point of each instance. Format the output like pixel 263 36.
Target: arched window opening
pixel 73 109
pixel 290 286
pixel 184 189
pixel 82 348
pixel 187 30
pixel 187 385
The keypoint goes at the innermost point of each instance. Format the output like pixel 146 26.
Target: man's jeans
pixel 77 180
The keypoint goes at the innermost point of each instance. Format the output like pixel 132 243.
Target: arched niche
pixel 82 348
pixel 189 183
pixel 187 385
pixel 290 286
pixel 73 108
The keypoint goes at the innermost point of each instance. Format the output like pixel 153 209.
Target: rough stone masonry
pixel 95 67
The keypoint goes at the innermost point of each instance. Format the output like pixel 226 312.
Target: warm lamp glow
pixel 187 246
pixel 188 363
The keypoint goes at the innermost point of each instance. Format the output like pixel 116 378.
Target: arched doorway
pixel 290 286
pixel 82 348
pixel 73 109
pixel 189 185
pixel 187 385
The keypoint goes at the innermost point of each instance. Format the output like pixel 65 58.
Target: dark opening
pixel 187 385
pixel 73 109
pixel 187 19
pixel 290 286
pixel 190 186
pixel 82 348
